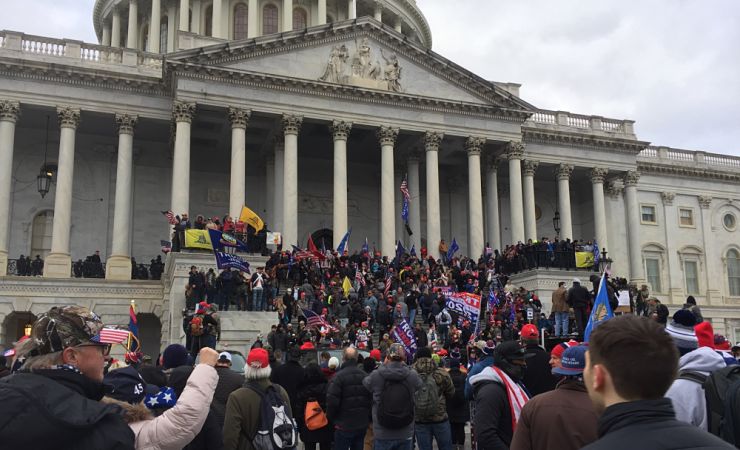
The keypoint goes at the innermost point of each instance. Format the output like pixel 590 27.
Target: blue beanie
pixel 175 355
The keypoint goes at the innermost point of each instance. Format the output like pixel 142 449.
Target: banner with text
pixel 403 333
pixel 465 305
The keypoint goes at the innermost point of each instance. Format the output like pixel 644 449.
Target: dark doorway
pixel 323 238
pixel 15 326
pixel 150 334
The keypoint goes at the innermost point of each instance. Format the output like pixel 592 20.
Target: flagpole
pixel 128 343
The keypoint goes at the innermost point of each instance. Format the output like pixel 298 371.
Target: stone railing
pixel 669 155
pixel 582 122
pixel 77 51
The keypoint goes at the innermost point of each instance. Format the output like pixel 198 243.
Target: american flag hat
pixel 68 326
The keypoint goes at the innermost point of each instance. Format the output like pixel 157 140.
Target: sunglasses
pixel 105 348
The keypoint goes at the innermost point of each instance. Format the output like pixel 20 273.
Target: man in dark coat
pixel 537 376
pixel 289 376
pixel 228 382
pixel 634 414
pixel 578 298
pixel 458 408
pixel 348 403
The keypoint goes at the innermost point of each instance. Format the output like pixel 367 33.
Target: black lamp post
pixel 43 180
pixel 556 223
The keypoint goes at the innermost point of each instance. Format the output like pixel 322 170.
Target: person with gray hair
pixel 348 403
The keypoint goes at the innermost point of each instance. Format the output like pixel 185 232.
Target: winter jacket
pixel 492 421
pixel 687 396
pixel 538 377
pixel 650 425
pixel 348 403
pixel 289 376
pixel 312 389
pixel 375 382
pixel 578 296
pixel 563 419
pixel 458 409
pixel 53 409
pixel 426 367
pixel 475 370
pixel 559 303
pixel 228 382
pixel 243 415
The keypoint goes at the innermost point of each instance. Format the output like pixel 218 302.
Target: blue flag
pixel 601 311
pixel 343 243
pixel 492 299
pixel 597 254
pixel 453 249
pixel 220 240
pixel 400 250
pixel 224 260
pixel 365 247
pixel 412 252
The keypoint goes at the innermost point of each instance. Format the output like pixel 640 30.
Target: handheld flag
pixel 343 243
pixel 601 311
pixel 387 287
pixel 453 249
pixel 346 286
pixel 315 320
pixel 359 277
pixel 251 218
pixel 224 260
pixel 412 252
pixel 400 250
pixel 597 253
pixel 133 328
pixel 406 198
pixel 219 240
pixel 365 247
pixel 171 219
pixel 314 250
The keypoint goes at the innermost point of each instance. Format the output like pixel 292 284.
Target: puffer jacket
pixel 578 296
pixel 348 402
pixel 426 367
pixel 179 425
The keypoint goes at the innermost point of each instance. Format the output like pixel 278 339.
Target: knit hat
pixel 333 362
pixel 529 331
pixel 681 329
pixel 175 355
pixel 258 358
pixel 126 385
pixel 559 349
pixel 704 334
pixel 573 361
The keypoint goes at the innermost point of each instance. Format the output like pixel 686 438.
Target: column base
pixel 118 268
pixel 3 264
pixel 58 265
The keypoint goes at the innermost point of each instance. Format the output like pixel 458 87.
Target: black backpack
pixel 396 407
pixel 277 429
pixel 722 390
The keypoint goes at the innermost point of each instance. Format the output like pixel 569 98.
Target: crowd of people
pixel 254 240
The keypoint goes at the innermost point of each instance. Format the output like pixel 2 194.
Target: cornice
pixel 690 172
pixel 541 136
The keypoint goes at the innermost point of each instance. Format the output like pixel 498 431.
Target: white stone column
pixel 387 136
pixel 378 11
pixel 269 216
pixel 183 114
pixel 398 24
pixel 287 15
pixel 563 172
pixel 712 256
pixel 252 19
pixel 673 263
pixel 106 33
pixel 118 266
pixel 474 145
pixel 195 23
pixel 515 152
pixel 132 39
pixel 154 26
pixel 184 23
pixel 172 28
pixel 115 32
pixel 432 141
pixel 352 9
pixel 59 262
pixel 637 272
pixel 239 119
pixel 217 19
pixel 322 12
pixel 9 111
pixel 415 203
pixel 340 132
pixel 493 227
pixel 291 127
pixel 279 169
pixel 598 174
pixel 530 215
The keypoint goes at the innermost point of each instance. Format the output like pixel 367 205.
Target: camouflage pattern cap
pixel 63 327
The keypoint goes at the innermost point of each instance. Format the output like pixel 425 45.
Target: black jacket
pixel 228 382
pixel 210 437
pixel 458 409
pixel 53 409
pixel 348 402
pixel 492 421
pixel 578 296
pixel 538 377
pixel 289 376
pixel 312 389
pixel 650 425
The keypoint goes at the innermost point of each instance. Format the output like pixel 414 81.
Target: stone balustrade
pixel 564 119
pixel 669 155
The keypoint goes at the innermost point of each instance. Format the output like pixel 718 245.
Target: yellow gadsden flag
pixel 198 239
pixel 251 218
pixel 584 260
pixel 346 286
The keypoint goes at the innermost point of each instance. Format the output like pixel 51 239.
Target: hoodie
pixel 375 382
pixel 687 395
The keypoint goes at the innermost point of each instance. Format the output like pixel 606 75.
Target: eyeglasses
pixel 105 348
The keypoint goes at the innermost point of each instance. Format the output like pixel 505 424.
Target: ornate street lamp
pixel 27 329
pixel 43 180
pixel 556 223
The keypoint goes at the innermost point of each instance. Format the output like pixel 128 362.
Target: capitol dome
pixel 127 23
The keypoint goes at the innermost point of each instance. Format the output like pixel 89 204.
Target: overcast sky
pixel 671 65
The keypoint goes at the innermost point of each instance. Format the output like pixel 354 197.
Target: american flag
pixel 171 219
pixel 358 276
pixel 405 189
pixel 111 336
pixel 387 286
pixel 315 320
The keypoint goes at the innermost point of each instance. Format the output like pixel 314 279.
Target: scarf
pixel 516 395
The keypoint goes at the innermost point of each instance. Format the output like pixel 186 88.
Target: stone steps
pixel 239 329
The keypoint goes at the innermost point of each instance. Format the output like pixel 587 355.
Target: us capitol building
pixel 311 112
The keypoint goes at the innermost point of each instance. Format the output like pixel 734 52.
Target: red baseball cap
pixel 258 358
pixel 375 354
pixel 530 331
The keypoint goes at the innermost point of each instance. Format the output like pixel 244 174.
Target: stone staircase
pixel 239 329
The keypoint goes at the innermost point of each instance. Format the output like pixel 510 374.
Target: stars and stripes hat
pixel 68 326
pixel 164 398
pixel 125 384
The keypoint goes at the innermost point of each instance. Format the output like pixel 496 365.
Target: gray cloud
pixel 671 66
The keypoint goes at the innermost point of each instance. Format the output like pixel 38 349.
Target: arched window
pixel 209 21
pixel 733 272
pixel 300 19
pixel 269 19
pixel 41 234
pixel 240 21
pixel 163 35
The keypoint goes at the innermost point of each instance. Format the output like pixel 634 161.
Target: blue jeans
pixel 412 316
pixel 349 440
pixel 440 431
pixel 392 444
pixel 561 323
pixel 258 303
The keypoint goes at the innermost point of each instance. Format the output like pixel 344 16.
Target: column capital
pixel 9 110
pixel 705 201
pixel 378 4
pixel 340 130
pixel 563 171
pixel 492 162
pixel 613 190
pixel 432 140
pixel 631 178
pixel 598 174
pixel 515 150
pixel 667 197
pixel 387 135
pixel 68 117
pixel 279 141
pixel 292 123
pixel 530 167
pixel 239 117
pixel 474 144
pixel 125 123
pixel 183 111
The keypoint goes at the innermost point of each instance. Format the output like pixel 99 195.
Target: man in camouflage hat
pixel 53 401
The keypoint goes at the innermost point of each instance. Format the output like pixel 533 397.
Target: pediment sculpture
pixel 362 69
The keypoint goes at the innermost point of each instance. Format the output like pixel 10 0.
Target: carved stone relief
pixel 362 68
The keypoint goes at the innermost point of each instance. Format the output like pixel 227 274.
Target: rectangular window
pixel 691 274
pixel 686 217
pixel 647 213
pixel 652 267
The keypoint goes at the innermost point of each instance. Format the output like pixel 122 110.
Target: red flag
pixel 314 250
